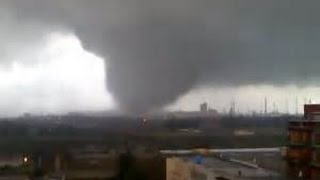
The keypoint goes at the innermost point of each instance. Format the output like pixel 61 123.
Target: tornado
pixel 156 51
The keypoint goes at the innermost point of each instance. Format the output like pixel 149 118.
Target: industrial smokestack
pixel 265 106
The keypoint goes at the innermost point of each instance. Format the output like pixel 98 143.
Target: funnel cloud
pixel 157 50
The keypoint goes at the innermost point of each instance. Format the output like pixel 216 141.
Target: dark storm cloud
pixel 160 49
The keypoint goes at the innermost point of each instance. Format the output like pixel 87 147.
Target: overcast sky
pixel 64 77
pixel 140 55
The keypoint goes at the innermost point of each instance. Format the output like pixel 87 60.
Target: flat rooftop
pixel 230 170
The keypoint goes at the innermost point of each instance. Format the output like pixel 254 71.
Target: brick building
pixel 303 152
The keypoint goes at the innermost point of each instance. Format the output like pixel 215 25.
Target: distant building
pixel 204 107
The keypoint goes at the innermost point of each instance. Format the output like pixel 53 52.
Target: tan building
pixel 178 169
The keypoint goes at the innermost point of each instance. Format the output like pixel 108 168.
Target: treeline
pixel 229 122
pixel 257 122
pixel 188 123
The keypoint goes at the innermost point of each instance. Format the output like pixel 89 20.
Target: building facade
pixel 303 149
